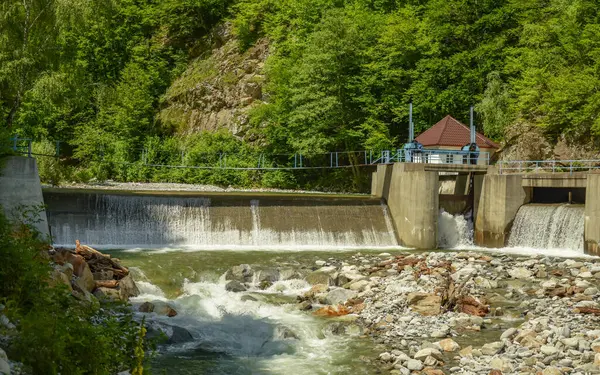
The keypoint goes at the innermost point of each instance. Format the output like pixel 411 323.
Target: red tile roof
pixel 451 132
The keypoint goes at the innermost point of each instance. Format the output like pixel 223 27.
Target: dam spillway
pixel 548 227
pixel 217 221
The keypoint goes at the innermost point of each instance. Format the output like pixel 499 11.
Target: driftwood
pixel 588 310
pixel 107 283
pixel 98 261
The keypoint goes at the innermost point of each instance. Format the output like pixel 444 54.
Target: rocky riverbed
pixel 451 312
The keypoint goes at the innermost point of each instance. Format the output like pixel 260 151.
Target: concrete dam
pixel 107 219
pixel 532 210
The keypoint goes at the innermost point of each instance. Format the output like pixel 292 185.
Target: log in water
pixel 108 220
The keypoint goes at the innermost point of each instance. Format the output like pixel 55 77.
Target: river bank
pixel 425 312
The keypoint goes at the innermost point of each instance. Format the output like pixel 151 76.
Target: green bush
pixel 57 333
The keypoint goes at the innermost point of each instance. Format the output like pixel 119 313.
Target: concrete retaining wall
pixel 592 215
pixel 20 189
pixel 413 202
pixel 380 185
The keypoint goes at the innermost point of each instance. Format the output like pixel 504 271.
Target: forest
pixel 94 76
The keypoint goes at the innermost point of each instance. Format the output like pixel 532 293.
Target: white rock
pixel 4 367
pixel 320 263
pixel 426 352
pixel 548 350
pixel 386 357
pixel 520 273
pixel 414 365
pixel 508 334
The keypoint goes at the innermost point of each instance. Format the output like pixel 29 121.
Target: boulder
pixel 425 303
pixel 520 273
pixel 319 277
pixel 242 273
pixel 107 294
pixel 159 308
pixel 268 275
pixel 428 352
pixel 289 274
pixel 449 345
pixel 173 334
pixel 127 288
pixel 339 296
pixel 359 285
pixel 492 348
pixel 414 365
pixel 235 286
pixel 4 367
pixel 59 278
pixel 85 279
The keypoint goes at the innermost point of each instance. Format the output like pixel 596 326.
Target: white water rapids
pixel 249 335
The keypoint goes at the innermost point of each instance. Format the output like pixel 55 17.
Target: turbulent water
pixel 234 334
pixel 548 227
pixel 454 231
pixel 197 222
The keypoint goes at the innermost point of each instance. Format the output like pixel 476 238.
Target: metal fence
pixel 432 156
pixel 547 166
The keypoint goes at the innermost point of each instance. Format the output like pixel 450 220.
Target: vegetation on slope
pixel 48 330
pixel 338 77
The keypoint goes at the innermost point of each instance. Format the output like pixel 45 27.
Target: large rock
pixel 425 303
pixel 110 294
pixel 449 345
pixel 289 274
pixel 235 286
pixel 319 277
pixel 4 367
pixel 172 334
pixel 339 296
pixel 492 348
pixel 428 352
pixel 127 288
pixel 104 275
pixel 159 308
pixel 520 273
pixel 85 279
pixel 414 365
pixel 242 273
pixel 59 278
pixel 268 275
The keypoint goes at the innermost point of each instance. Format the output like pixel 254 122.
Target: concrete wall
pixel 20 187
pixel 555 180
pixel 413 202
pixel 380 186
pixel 592 214
pixel 498 203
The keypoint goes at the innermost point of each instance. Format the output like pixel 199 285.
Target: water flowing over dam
pixel 548 227
pixel 108 220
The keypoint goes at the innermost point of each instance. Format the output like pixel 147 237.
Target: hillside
pixel 112 77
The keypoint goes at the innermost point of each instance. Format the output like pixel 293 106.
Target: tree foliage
pixel 339 76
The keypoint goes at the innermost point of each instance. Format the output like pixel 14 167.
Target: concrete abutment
pixel 592 215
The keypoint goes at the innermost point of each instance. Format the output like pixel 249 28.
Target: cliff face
pixel 218 91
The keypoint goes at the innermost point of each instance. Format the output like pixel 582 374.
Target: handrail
pixel 546 166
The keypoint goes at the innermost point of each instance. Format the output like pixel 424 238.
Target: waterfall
pixel 121 221
pixel 548 227
pixel 454 231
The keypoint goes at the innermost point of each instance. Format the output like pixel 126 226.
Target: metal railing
pixel 546 166
pixel 21 145
pixel 432 156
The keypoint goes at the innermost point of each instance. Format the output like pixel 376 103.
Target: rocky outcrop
pixel 218 91
pixel 88 272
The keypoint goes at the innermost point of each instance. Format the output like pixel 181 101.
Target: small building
pixel 450 134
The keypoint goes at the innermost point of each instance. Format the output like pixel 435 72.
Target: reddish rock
pixel 472 306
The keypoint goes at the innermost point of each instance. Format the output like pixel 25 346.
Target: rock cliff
pixel 217 91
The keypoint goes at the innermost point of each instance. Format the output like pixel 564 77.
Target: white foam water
pixel 263 338
pixel 454 231
pixel 106 221
pixel 548 227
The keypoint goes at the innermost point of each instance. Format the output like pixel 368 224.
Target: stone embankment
pixel 458 313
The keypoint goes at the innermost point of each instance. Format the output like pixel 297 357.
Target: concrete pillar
pixel 592 215
pixel 380 186
pixel 413 203
pixel 462 184
pixel 21 192
pixel 500 199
